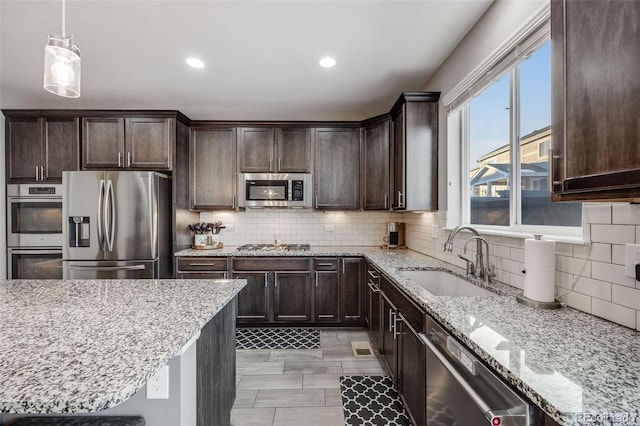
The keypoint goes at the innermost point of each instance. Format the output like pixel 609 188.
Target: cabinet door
pixel 255 150
pixel 292 296
pixel 212 168
pixel 23 150
pixel 102 143
pixel 375 319
pixel 253 299
pixel 327 297
pixel 412 372
pixel 148 143
pixel 293 150
pixel 61 147
pixel 398 190
pixel 595 103
pixel 375 167
pixel 351 290
pixel 337 169
pixel 389 331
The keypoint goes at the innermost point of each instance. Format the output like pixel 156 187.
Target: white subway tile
pixel 625 296
pixel 638 320
pixel 617 254
pixel 572 265
pixel 615 313
pixel 564 249
pixel 597 213
pixel 577 301
pixel 626 214
pixel 564 280
pixel 517 254
pixel 595 288
pixel 611 273
pixel 614 234
pixel 599 252
pixel 586 231
pixel 516 280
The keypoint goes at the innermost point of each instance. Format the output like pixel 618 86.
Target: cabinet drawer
pixel 202 264
pixel 325 263
pixel 271 264
pixel 202 275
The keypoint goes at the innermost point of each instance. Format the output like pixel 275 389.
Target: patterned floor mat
pixel 371 400
pixel 277 338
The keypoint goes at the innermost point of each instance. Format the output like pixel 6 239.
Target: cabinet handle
pixel 37 174
pixel 119 159
pixel 233 203
pixel 390 318
pixel 128 159
pixel 317 279
pixel 316 201
pixel 201 264
pixel 266 279
pixel 42 173
pixel 395 326
pixel 225 275
pixel 386 201
pixel 373 274
pixel 279 164
pixel 344 267
pixel 373 287
pixel 400 199
pixel 325 264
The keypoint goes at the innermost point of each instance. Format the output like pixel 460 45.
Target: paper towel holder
pixel 538 305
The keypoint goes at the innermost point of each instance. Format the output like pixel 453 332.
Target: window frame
pixel 505 60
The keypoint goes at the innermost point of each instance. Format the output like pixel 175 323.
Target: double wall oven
pixel 34 231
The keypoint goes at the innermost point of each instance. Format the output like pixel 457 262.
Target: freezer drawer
pixel 109 269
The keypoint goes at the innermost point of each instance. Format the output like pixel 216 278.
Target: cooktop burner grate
pixel 274 247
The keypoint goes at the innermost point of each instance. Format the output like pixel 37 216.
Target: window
pixel 500 118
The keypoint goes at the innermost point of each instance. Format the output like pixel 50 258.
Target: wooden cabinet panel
pixel 292 296
pixel 61 147
pixel 253 299
pixel 327 298
pixel 212 168
pixel 372 277
pixel 375 166
pixel 149 143
pixel 23 149
pixel 102 142
pixel 255 149
pixel 293 150
pixel 389 344
pixel 202 263
pixel 595 99
pixel 337 169
pixel 412 372
pixel 48 144
pixel 415 152
pixel 351 290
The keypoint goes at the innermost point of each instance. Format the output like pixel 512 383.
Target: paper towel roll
pixel 540 266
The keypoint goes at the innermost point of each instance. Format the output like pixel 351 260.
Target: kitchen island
pixel 83 346
pixel 579 369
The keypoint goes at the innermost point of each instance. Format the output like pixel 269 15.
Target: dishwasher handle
pixel 495 417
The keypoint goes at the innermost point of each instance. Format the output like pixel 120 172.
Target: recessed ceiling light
pixel 327 62
pixel 195 63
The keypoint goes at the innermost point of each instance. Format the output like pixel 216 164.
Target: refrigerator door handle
pixel 107 268
pixel 100 214
pixel 109 213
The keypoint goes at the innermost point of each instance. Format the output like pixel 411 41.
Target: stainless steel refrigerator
pixel 116 224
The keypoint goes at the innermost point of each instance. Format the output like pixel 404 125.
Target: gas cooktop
pixel 274 247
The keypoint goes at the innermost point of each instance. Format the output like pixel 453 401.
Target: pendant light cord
pixel 63 19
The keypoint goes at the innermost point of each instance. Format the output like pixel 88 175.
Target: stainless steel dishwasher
pixel 461 391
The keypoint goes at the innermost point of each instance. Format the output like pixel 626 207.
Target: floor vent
pixel 361 349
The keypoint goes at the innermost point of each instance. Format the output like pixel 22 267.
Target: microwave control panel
pixel 297 191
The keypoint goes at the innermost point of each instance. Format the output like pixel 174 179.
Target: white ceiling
pixel 261 56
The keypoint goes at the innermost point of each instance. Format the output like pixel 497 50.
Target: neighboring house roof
pixel 500 171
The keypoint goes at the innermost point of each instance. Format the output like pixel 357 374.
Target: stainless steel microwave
pixel 260 190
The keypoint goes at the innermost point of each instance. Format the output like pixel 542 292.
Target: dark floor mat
pixel 371 400
pixel 277 338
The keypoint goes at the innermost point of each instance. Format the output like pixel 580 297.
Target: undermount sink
pixel 440 283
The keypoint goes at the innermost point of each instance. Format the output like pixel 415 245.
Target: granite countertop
pixel 578 368
pixel 81 346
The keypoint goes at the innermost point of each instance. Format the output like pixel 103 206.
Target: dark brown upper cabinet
pixel 39 149
pixel 137 143
pixel 414 185
pixel 375 164
pixel 212 168
pixel 337 169
pixel 595 100
pixel 274 150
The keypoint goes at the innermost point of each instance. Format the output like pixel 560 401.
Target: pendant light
pixel 62 64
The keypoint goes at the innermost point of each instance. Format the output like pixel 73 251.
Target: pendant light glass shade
pixel 62 67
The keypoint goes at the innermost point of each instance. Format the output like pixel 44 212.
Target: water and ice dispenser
pixel 79 231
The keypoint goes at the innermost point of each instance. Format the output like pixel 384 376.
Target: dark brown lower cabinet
pixel 389 336
pixel 216 367
pixel 351 291
pixel 326 298
pixel 374 320
pixel 292 296
pixel 412 372
pixel 253 299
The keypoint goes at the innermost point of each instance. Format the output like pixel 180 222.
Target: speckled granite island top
pixel 581 370
pixel 80 346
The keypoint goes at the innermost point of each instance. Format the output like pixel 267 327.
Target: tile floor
pixel 296 387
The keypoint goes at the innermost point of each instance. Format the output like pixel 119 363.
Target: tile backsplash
pixel 589 278
pixel 303 226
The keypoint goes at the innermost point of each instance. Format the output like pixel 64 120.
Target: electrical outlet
pixel 631 257
pixel 158 384
pixel 230 227
pixel 434 232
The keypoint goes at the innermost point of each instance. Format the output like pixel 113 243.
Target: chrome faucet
pixel 479 270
